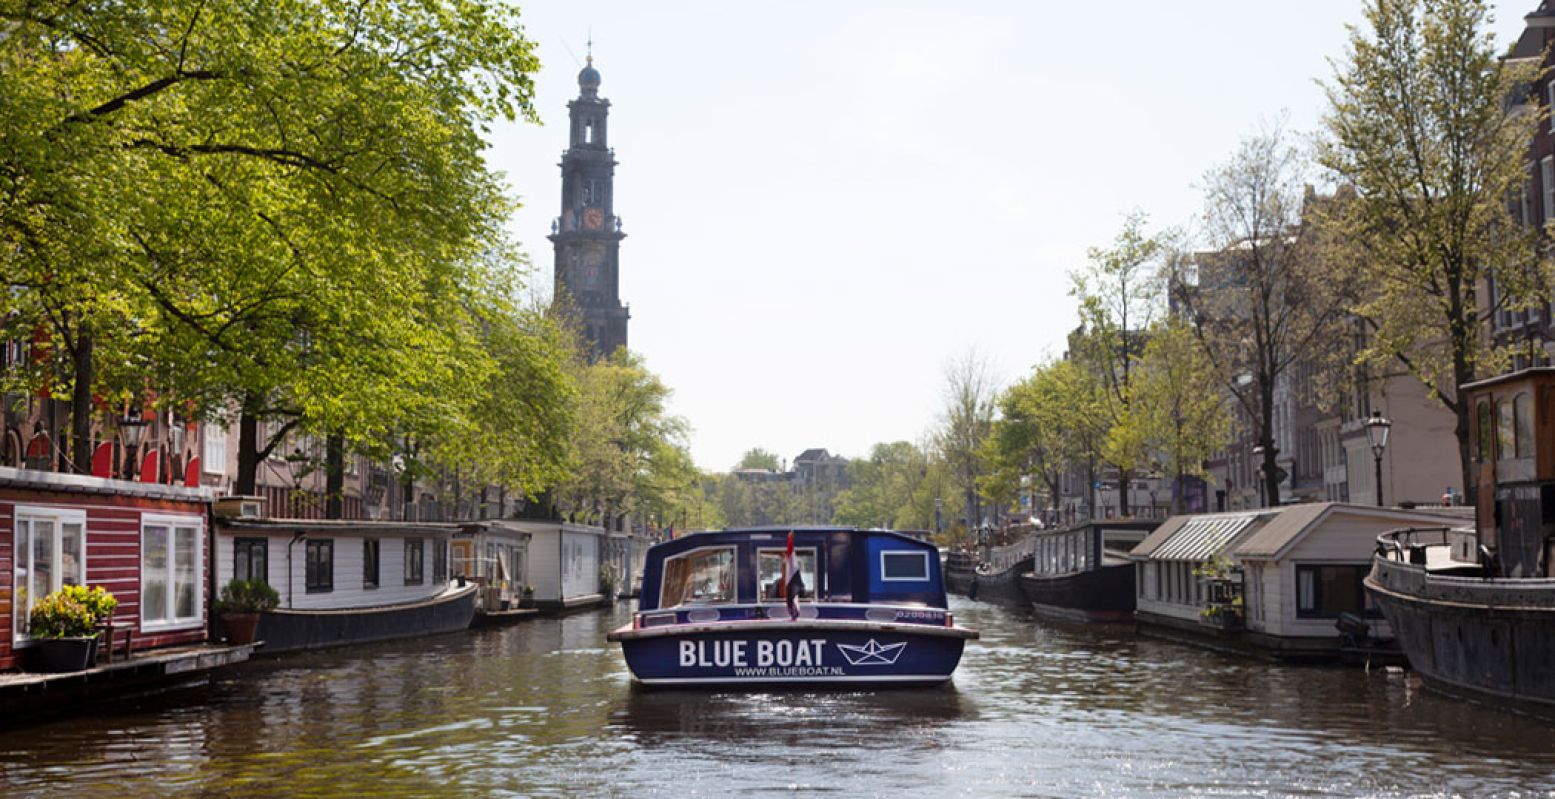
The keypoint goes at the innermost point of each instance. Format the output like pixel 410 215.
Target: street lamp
pixel 1260 479
pixel 939 505
pixel 132 427
pixel 1377 436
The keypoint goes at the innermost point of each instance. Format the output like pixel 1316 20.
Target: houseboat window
pixel 169 569
pixel 699 577
pixel 251 559
pixel 440 562
pixel 370 551
pixel 1522 423
pixel 320 570
pixel 769 567
pixel 49 554
pixel 1505 447
pixel 415 552
pixel 904 566
pixel 1486 433
pixel 1323 592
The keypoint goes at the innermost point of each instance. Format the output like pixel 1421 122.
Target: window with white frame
pixel 1549 94
pixel 1547 183
pixel 214 458
pixel 50 552
pixel 170 592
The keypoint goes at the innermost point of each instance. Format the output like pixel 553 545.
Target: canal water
pixel 545 708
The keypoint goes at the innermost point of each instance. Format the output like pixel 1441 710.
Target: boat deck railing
pixel 1005 557
pixel 1414 545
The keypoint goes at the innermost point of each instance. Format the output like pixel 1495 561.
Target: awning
pixel 1202 538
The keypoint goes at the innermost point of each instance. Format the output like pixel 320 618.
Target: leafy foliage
pixel 74 611
pixel 247 596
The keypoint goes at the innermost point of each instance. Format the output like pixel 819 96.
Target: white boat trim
pixel 626 633
pixel 852 678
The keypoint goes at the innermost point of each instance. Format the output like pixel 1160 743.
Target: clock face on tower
pixel 593 218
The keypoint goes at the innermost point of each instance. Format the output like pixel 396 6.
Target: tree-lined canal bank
pixel 546 708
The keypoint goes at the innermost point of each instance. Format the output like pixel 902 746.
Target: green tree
pixel 1183 423
pixel 1262 301
pixel 1417 123
pixel 627 452
pixel 758 458
pixel 1120 295
pixel 1049 426
pixel 285 206
pixel 965 424
pixel 893 488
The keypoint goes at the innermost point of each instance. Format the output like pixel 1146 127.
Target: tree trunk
pixel 334 476
pixel 1125 480
pixel 81 405
pixel 248 446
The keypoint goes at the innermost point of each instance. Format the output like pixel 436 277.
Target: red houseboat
pixel 147 543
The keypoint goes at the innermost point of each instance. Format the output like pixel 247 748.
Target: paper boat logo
pixel 873 653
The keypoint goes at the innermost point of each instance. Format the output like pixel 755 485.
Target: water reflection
pixel 546 708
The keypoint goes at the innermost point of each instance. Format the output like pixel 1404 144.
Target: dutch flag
pixel 792 585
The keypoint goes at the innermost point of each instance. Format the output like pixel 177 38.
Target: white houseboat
pixel 1273 580
pixel 345 582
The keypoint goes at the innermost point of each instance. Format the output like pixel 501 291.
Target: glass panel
pixel 23 574
pixel 72 568
pixel 1505 447
pixel 42 559
pixel 701 577
pixel 185 559
pixel 904 565
pixel 1522 413
pixel 153 573
pixel 769 568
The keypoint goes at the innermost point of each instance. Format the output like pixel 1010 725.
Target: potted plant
pixel 63 627
pixel 607 582
pixel 527 598
pixel 240 604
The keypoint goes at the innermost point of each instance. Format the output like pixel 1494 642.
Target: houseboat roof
pixel 1511 377
pixel 1195 538
pixel 36 480
pixel 368 526
pixel 1264 532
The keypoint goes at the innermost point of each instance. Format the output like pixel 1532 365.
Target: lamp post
pixel 939 505
pixel 1258 479
pixel 132 427
pixel 1377 436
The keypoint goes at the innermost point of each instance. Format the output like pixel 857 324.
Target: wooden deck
pixel 27 694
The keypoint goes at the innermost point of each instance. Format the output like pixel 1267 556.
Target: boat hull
pixel 1491 640
pixel 815 652
pixel 290 630
pixel 1100 595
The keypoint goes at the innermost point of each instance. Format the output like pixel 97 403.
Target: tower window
pixel 588 132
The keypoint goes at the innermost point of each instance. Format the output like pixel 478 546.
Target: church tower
pixel 588 234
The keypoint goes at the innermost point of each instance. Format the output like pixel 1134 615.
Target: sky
pixel 827 204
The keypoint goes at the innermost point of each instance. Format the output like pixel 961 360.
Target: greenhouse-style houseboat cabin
pixel 868 607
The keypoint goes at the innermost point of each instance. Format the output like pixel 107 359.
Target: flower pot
pixel 59 655
pixel 240 628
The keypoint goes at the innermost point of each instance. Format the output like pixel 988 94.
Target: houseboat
pixel 564 563
pixel 343 581
pixel 494 555
pixel 145 543
pixel 1272 581
pixel 868 608
pixel 1083 573
pixel 1473 606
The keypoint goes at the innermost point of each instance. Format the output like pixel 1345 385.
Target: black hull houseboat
pixel 1083 573
pixel 1474 608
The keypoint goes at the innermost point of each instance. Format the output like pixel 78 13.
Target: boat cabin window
pixel 904 566
pixel 699 577
pixel 769 568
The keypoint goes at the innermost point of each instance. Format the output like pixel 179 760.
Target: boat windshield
pixel 699 577
pixel 769 568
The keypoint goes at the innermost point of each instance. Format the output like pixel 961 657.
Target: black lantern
pixel 1377 436
pixel 132 427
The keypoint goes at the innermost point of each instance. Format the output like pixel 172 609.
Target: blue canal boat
pixel 868 608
